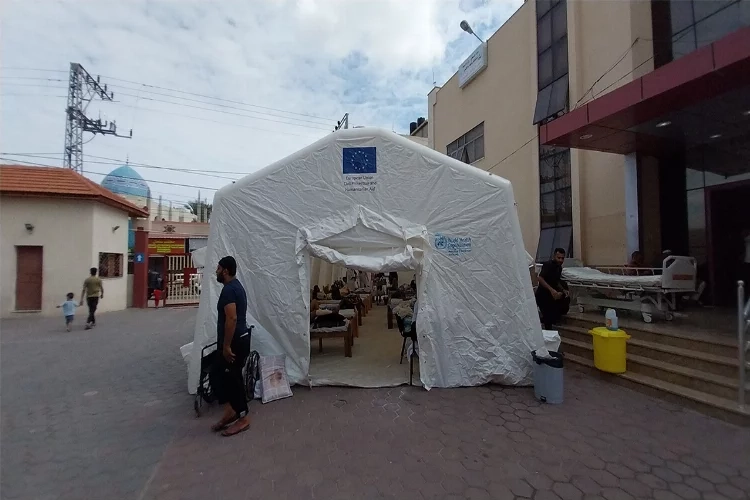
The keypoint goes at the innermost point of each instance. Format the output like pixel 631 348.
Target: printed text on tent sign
pixel 455 246
pixel 360 168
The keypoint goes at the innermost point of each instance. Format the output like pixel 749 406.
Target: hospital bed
pixel 645 290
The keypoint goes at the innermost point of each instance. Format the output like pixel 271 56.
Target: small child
pixel 69 310
pixel 157 297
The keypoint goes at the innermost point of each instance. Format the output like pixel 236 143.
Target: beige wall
pixel 108 241
pixel 63 228
pixel 504 95
pixel 421 131
pixel 417 138
pixel 70 233
pixel 595 44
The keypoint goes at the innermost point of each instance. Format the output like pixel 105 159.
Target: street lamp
pixel 465 26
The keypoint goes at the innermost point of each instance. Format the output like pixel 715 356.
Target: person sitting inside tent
pixel 336 290
pixel 552 295
pixel 344 290
pixel 393 280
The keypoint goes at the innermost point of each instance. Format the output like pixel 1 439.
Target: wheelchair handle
pixel 249 331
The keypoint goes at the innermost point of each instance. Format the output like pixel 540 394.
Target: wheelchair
pixel 250 372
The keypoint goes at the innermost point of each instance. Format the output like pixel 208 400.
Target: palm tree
pixel 200 209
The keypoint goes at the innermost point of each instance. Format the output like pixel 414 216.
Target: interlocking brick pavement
pixel 104 414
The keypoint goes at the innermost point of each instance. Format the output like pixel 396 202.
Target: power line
pixel 607 72
pixel 61 87
pixel 194 94
pixel 179 202
pixel 622 77
pixel 116 176
pixel 262 116
pixel 20 68
pixel 12 77
pixel 225 112
pixel 670 40
pixel 118 162
pixel 519 148
pixel 199 118
pixel 318 122
pixel 32 95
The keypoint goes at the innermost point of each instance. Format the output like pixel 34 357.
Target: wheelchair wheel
pixel 252 374
pixel 204 393
pixel 197 404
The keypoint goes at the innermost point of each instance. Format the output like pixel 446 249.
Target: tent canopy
pixel 372 200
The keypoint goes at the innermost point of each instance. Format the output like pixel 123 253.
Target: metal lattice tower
pixel 82 89
pixel 343 123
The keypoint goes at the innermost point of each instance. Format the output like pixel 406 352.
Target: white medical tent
pixel 371 200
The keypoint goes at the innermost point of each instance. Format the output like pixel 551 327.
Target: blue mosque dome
pixel 126 182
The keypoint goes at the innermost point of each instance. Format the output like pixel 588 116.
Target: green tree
pixel 197 207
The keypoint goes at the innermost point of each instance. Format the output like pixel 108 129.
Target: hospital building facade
pixel 622 125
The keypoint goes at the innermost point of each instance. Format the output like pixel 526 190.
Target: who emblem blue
pixel 360 161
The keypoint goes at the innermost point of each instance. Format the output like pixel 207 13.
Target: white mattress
pixel 348 313
pixel 330 330
pixel 588 275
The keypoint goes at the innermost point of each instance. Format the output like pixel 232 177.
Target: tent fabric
pixel 371 200
pixel 199 257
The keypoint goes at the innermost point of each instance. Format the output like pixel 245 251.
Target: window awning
pixel 638 115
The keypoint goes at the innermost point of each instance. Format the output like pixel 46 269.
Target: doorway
pixel 727 207
pixel 368 243
pixel 29 278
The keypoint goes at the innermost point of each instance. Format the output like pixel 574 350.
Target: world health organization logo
pixel 441 242
pixel 454 246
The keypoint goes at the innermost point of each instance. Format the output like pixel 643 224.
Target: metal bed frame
pixel 622 289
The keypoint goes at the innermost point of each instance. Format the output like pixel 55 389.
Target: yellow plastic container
pixel 610 351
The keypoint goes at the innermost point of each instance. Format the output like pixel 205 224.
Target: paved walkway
pixel 104 415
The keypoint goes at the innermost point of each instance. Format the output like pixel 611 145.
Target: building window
pixel 556 205
pixel 552 58
pixel 110 265
pixel 469 147
pixel 556 202
pixel 697 23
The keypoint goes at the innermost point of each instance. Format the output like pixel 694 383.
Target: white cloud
pixel 372 58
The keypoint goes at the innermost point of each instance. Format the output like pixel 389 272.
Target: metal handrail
pixel 743 346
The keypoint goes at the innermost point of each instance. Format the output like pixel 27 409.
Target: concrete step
pixel 709 383
pixel 715 406
pixel 694 341
pixel 716 385
pixel 702 361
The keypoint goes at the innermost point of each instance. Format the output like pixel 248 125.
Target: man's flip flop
pixel 226 432
pixel 223 424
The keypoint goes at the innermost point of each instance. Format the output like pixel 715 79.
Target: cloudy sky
pixel 284 71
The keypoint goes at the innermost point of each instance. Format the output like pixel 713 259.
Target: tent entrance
pixel 366 248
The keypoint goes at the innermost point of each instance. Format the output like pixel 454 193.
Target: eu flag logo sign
pixel 360 161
